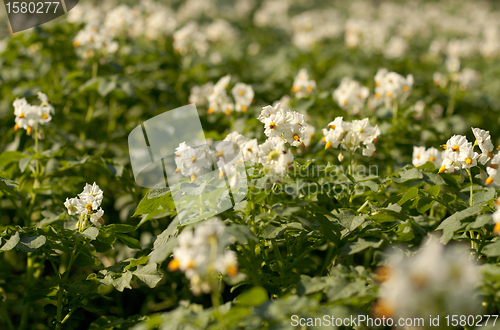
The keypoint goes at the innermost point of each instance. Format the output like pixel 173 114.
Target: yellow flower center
pixel 232 270
pixel 243 109
pixel 432 158
pixel 44 116
pixel 272 125
pixel 21 115
pixel 173 265
pixel 468 160
pixel 455 148
pixel 241 92
pixel 89 207
pixel 296 137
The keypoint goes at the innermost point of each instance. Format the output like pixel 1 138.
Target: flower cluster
pixel 272 154
pixel 218 99
pixel 422 156
pixel 459 152
pixel 87 205
pixel 351 136
pixel 192 162
pixel 466 79
pixel 190 37
pixel 286 124
pixel 29 117
pixel 302 85
pixel 92 39
pixel 433 281
pixel 391 86
pixel 351 95
pixel 202 254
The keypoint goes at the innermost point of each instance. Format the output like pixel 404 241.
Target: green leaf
pixel 433 178
pixel 492 250
pixel 31 243
pixel 241 233
pixel 424 204
pixel 106 86
pixel 91 232
pixel 308 285
pixel 11 243
pixel 434 190
pixel 148 274
pixel 253 297
pixel 120 228
pixel 453 223
pixel 410 194
pixel 129 241
pixel 410 174
pixel 483 197
pixel 360 245
pixel 122 282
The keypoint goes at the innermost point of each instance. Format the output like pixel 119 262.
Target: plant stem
pixel 74 255
pixel 395 112
pixel 90 110
pixel 350 162
pixel 5 316
pixel 451 101
pixel 29 283
pixel 471 186
pixel 471 232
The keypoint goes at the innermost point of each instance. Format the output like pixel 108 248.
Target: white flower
pixel 237 138
pixel 192 162
pixel 496 217
pixel 302 85
pixel 269 110
pixel 275 124
pixel 29 117
pixel 251 150
pixel 203 251
pixel 294 133
pixel 422 156
pixel 87 204
pixel 350 95
pixel 91 190
pixel 275 157
pixel 483 140
pixel 72 205
pixel 427 283
pixel 218 100
pixel 391 86
pixel 419 156
pixel 190 38
pixel 492 170
pixel 199 94
pixel 459 154
pixel 243 95
pixel 351 136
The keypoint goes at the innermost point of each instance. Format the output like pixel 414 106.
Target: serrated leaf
pixel 148 274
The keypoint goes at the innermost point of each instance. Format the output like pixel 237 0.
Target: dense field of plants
pixel 369 137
